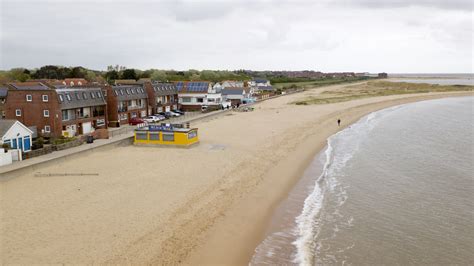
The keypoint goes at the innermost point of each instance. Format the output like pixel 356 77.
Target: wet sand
pixel 207 205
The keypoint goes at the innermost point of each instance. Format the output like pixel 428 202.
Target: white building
pixel 15 134
pixel 193 95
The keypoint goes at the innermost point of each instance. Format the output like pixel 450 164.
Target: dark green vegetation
pixel 118 72
pixel 378 88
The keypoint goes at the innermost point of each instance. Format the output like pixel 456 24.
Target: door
pixel 167 108
pixel 27 145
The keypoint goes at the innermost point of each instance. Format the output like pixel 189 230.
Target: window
pixel 121 92
pixel 45 98
pixel 154 136
pixel 99 94
pixel 65 115
pixel 29 98
pixel 133 115
pixel 133 90
pixel 47 129
pixel 18 112
pixel 128 91
pixel 168 136
pixel 141 136
pixel 68 97
pixel 77 96
pixel 84 95
pixel 200 100
pixel 186 99
pixel 8 142
pixel 92 95
pixel 46 113
pixel 116 93
pixel 192 134
pixel 61 98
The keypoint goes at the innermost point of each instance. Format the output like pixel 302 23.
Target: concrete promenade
pixel 117 136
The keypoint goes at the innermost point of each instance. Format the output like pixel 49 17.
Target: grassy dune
pixel 318 83
pixel 378 88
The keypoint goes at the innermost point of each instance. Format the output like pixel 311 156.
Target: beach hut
pixel 166 135
pixel 15 135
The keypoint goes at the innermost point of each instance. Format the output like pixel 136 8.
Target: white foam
pixel 307 227
pixel 341 148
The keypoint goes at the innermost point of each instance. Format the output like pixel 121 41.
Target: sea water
pixel 394 188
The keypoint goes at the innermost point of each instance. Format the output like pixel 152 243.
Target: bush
pixel 62 140
pixel 38 144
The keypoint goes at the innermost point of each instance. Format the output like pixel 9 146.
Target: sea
pixel 436 78
pixel 395 188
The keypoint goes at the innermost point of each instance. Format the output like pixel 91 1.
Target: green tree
pixel 18 74
pixel 78 72
pixel 159 75
pixel 129 74
pixel 90 76
pixel 146 74
pixel 195 77
pixel 111 76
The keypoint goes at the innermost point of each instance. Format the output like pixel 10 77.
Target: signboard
pixel 162 127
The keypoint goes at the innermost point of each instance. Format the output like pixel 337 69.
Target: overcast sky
pixel 400 36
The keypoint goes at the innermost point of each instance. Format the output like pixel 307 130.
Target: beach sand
pixel 206 205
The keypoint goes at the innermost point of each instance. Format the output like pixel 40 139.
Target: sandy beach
pixel 206 205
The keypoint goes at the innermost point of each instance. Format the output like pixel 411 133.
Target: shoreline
pixel 151 206
pixel 241 250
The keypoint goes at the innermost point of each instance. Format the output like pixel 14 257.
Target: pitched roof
pixel 80 97
pixel 192 86
pixel 75 81
pixel 29 85
pixel 265 88
pixel 126 82
pixel 164 88
pixel 233 91
pixel 3 92
pixel 129 92
pixel 5 125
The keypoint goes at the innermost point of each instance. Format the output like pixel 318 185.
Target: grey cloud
pixel 237 34
pixel 465 5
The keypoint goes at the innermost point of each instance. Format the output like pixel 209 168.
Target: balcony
pixel 98 113
pixel 135 107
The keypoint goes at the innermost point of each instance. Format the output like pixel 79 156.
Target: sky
pixel 404 36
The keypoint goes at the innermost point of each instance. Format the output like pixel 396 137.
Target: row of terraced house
pixel 75 107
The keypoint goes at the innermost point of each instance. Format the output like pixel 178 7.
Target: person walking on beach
pixel 339 122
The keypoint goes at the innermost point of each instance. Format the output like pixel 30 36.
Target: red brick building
pixel 125 102
pixel 162 97
pixel 56 112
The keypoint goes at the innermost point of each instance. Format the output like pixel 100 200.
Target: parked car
pixel 165 114
pixel 135 121
pixel 161 117
pixel 174 113
pixel 152 119
pixel 226 105
pixel 179 112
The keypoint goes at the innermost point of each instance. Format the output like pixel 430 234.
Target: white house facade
pixel 16 135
